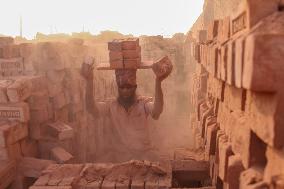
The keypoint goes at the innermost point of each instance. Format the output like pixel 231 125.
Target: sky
pixel 137 17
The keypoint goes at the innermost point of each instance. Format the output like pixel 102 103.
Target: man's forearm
pixel 159 100
pixel 90 102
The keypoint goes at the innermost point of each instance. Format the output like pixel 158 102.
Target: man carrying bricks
pixel 128 113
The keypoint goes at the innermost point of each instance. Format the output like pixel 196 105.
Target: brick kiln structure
pixel 237 91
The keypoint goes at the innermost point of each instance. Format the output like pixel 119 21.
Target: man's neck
pixel 127 103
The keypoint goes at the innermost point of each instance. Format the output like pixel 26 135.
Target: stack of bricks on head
pixel 237 93
pixel 124 53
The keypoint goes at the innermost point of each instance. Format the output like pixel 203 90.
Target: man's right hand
pixel 87 69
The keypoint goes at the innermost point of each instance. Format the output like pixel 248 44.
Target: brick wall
pixel 237 92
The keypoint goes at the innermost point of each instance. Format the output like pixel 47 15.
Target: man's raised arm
pixel 162 70
pixel 87 73
pixel 159 100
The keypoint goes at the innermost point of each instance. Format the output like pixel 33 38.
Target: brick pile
pixel 132 174
pixel 237 92
pixel 42 111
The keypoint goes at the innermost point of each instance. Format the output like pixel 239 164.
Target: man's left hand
pixel 162 68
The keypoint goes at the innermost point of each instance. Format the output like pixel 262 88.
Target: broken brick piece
pixel 60 155
pixel 60 130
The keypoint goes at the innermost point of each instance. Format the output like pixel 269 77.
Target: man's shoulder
pixel 144 99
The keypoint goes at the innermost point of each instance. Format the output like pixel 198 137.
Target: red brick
pixel 12 132
pixel 7 173
pixel 131 63
pixel 11 51
pixel 212 166
pixel 223 117
pixel 50 187
pixel 39 116
pixel 11 152
pixel 218 64
pixel 211 120
pixel 51 54
pixel 38 101
pixel 59 101
pixel 33 167
pixel 202 36
pixel 219 137
pixel 245 142
pixel 163 66
pixel 225 152
pixel 224 62
pixel 60 155
pixel 11 67
pixel 15 112
pixel 199 142
pixel 197 54
pixel 60 130
pixel 118 64
pixel 6 41
pixel 62 114
pixel 235 168
pixel 224 30
pixel 265 113
pixel 1 52
pixel 130 44
pixel 212 32
pixel 252 178
pixel 234 98
pixel 210 145
pixel 205 116
pixel 131 54
pixel 29 148
pixel 20 90
pixel 263 59
pixel 275 164
pixel 115 56
pixel 114 45
pixel 230 64
pixel 249 13
pixel 211 60
pixel 3 90
pixel 36 130
pixel 47 143
pixel 39 83
pixel 4 154
pixel 239 61
pixel 191 169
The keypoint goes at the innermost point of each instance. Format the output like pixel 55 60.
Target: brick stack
pixel 132 174
pixel 124 53
pixel 42 111
pixel 238 121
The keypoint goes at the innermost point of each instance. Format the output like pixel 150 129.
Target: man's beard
pixel 127 102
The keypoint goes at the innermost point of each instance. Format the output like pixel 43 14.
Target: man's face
pixel 126 91
pixel 126 84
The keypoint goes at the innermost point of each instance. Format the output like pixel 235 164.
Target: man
pixel 129 112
